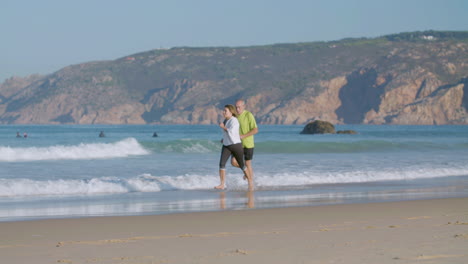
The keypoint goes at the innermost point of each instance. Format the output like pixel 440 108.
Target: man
pixel 248 128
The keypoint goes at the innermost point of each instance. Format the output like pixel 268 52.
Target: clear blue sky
pixel 43 36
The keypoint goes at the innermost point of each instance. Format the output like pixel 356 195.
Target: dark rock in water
pixel 319 127
pixel 351 132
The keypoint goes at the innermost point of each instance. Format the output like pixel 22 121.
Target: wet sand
pixel 423 231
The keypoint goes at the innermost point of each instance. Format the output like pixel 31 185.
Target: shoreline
pixel 422 231
pixel 182 201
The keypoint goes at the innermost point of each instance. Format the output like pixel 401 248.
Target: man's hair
pixel 241 100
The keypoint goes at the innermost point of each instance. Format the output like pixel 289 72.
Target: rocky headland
pixel 407 78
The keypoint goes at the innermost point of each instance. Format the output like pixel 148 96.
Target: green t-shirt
pixel 247 122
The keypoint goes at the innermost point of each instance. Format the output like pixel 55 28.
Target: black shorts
pixel 248 153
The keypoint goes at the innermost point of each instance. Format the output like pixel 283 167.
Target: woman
pixel 231 146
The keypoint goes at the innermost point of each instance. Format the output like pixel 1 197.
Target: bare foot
pixel 219 187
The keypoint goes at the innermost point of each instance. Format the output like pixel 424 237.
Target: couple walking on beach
pixel 238 127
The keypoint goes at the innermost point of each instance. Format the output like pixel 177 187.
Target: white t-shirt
pixel 231 135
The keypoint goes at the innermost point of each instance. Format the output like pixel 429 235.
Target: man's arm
pixel 250 133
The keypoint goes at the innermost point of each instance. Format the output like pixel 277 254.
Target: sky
pixel 43 36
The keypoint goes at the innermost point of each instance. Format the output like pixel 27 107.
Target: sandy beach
pixel 422 231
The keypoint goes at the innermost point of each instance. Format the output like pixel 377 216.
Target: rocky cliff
pixel 409 78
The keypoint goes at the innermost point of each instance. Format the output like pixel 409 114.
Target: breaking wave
pixel 149 183
pixel 123 148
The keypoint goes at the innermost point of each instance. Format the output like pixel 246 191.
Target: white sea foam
pixel 27 187
pixel 234 181
pixel 104 185
pixel 357 176
pixel 123 148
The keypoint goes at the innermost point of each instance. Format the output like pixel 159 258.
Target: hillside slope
pixel 408 78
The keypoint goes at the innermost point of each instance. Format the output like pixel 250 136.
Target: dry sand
pixel 425 231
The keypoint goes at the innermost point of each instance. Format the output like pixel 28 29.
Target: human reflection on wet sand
pixel 250 199
pixel 222 200
pixel 249 195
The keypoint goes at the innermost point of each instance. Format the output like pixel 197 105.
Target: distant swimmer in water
pixel 101 134
pixel 25 135
pixel 155 134
pixel 18 135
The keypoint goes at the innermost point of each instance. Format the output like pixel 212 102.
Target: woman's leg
pixel 225 153
pixel 222 176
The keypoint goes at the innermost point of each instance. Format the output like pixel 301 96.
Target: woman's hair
pixel 232 109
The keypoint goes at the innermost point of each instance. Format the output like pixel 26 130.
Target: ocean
pixel 68 171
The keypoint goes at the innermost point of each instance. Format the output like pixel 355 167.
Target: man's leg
pixel 248 156
pixel 248 164
pixel 249 179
